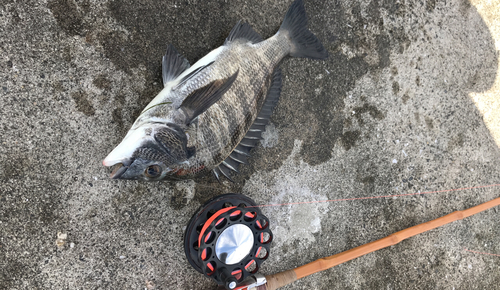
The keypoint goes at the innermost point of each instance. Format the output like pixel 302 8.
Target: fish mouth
pixel 118 171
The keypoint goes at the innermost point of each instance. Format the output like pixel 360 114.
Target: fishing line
pixel 382 196
pixel 390 196
pixel 482 253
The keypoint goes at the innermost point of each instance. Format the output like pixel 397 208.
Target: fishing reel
pixel 227 239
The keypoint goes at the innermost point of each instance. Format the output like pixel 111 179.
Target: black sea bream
pixel 210 115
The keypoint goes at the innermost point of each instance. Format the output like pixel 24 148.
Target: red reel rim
pixel 237 255
pixel 210 220
pixel 199 218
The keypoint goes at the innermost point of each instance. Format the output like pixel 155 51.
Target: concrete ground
pixel 406 102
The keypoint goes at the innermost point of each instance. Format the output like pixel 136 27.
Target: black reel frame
pixel 229 209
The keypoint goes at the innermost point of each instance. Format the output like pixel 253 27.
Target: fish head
pixel 149 152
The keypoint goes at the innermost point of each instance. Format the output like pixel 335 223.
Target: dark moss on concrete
pixel 67 15
pixel 349 139
pixel 83 104
pixel 102 82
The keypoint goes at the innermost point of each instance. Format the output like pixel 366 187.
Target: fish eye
pixel 152 171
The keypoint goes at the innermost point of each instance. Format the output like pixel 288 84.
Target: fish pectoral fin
pixel 243 31
pixel 173 64
pixel 201 99
pixel 191 74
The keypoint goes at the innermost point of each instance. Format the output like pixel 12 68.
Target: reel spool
pixel 227 239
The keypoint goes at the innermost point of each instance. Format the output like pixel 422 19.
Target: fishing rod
pixel 228 238
pixel 284 278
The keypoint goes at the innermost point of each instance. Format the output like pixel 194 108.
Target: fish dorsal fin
pixel 243 31
pixel 254 135
pixel 201 99
pixel 172 64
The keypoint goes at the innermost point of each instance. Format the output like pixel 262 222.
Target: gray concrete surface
pixel 397 108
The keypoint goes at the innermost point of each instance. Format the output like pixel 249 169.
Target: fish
pixel 210 115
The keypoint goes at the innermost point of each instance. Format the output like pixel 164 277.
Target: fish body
pixel 209 115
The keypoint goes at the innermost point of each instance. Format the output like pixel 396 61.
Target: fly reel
pixel 227 239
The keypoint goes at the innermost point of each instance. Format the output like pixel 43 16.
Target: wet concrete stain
pixel 405 97
pixel 384 50
pixel 430 5
pixel 14 271
pixel 177 200
pixel 14 168
pixel 349 138
pixel 367 173
pixel 116 114
pixel 395 88
pixel 82 103
pixel 67 16
pixel 150 32
pixel 465 7
pixel 370 109
pixel 456 142
pixel 394 71
pixel 327 107
pixel 429 123
pixel 102 82
pixel 116 117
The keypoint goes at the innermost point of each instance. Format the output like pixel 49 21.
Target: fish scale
pixel 209 116
pixel 236 104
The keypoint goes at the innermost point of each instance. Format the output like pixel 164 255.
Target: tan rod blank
pixel 284 278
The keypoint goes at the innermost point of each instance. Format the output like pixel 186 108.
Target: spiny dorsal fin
pixel 201 99
pixel 172 64
pixel 254 134
pixel 243 31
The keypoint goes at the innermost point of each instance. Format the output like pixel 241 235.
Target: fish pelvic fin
pixel 243 31
pixel 253 136
pixel 201 99
pixel 303 42
pixel 173 64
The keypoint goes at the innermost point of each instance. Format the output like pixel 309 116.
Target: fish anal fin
pixel 244 31
pixel 225 171
pixel 173 64
pixel 217 173
pixel 240 154
pixel 201 99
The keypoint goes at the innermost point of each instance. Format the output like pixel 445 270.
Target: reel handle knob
pixel 229 280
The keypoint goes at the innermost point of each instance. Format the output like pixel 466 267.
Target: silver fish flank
pixel 211 114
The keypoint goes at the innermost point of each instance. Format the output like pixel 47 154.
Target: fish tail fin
pixel 303 42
